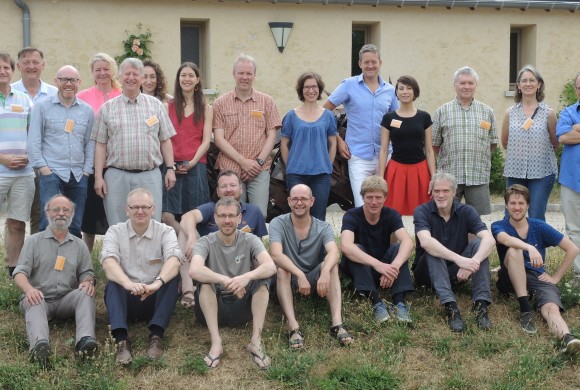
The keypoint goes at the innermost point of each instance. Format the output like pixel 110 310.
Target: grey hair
pixel 47 205
pixel 539 93
pixel 228 201
pixel 134 63
pixel 465 70
pixel 368 48
pixel 245 58
pixel 140 190
pixel 440 175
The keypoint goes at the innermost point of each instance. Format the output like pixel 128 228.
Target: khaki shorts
pixel 17 194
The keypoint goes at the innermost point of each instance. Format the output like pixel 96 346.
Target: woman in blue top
pixel 308 145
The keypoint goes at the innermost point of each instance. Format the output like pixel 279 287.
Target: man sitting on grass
pixel 307 257
pixel 369 257
pixel 233 271
pixel 521 246
pixel 55 273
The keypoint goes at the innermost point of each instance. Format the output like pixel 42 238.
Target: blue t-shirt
pixel 252 220
pixel 570 163
pixel 308 153
pixel 540 235
pixel 376 239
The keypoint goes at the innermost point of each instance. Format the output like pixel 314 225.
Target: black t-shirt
pixel 409 138
pixel 374 238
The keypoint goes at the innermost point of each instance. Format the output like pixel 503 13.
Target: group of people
pixel 119 158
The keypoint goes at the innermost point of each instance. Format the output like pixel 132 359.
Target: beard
pixel 59 224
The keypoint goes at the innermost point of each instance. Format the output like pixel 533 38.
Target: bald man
pixel 60 145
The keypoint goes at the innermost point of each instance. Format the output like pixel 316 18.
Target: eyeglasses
pixel 227 216
pixel 144 208
pixel 65 80
pixel 226 186
pixel 58 210
pixel 303 200
pixel 528 81
pixel 307 87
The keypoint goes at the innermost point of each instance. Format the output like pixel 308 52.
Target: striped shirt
pixel 132 130
pixel 14 119
pixel 464 137
pixel 245 125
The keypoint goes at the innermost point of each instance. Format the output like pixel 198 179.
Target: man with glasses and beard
pixel 60 286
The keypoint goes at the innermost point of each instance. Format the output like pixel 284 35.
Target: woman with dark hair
pixel 308 144
pixel 192 119
pixel 107 86
pixel 413 162
pixel 154 83
pixel 529 137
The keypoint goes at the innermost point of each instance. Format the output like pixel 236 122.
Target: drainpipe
pixel 25 22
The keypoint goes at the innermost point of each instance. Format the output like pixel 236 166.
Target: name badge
pixel 396 123
pixel 69 125
pixel 527 124
pixel 16 108
pixel 154 261
pixel 152 121
pixel 59 263
pixel 485 125
pixel 256 114
pixel 246 229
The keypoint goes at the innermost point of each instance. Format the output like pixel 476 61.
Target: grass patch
pixel 360 377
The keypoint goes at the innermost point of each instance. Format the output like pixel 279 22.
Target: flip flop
pixel 298 342
pixel 213 360
pixel 187 299
pixel 260 356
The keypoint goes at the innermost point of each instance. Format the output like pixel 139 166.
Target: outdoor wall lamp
pixel 281 32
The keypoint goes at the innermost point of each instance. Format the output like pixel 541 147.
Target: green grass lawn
pixel 425 355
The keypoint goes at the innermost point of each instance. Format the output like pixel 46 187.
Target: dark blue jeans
pixel 320 186
pixel 157 308
pixel 51 185
pixel 540 190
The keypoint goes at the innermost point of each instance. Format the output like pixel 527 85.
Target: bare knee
pixel 15 227
pixel 282 275
pixel 513 256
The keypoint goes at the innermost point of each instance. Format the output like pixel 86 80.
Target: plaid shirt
pixel 464 137
pixel 245 125
pixel 132 130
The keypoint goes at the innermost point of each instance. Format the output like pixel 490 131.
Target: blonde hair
pixel 109 60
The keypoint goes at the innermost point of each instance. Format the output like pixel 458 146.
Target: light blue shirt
pixel 50 144
pixel 364 111
pixel 45 90
pixel 570 162
pixel 14 121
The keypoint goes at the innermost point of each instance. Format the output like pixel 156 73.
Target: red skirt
pixel 408 186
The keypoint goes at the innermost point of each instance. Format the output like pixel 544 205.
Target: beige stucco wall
pixel 426 43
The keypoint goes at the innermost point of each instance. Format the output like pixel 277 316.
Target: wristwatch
pixel 171 167
pixel 161 280
pixel 260 162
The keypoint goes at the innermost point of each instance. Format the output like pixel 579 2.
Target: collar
pixel 361 79
pixel 252 96
pixel 48 233
pixel 459 103
pixel 128 100
pixel 433 207
pixel 56 100
pixel 148 233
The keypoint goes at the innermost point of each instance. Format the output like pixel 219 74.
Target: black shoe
pixel 571 344
pixel 481 316
pixel 40 353
pixel 87 346
pixel 454 320
pixel 527 322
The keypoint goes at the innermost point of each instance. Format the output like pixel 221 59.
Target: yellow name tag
pixel 59 264
pixel 528 123
pixel 152 121
pixel 154 261
pixel 396 123
pixel 16 108
pixel 69 126
pixel 256 114
pixel 246 229
pixel 485 125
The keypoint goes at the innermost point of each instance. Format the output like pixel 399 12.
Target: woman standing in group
pixel 104 71
pixel 413 162
pixel 308 144
pixel 154 82
pixel 529 137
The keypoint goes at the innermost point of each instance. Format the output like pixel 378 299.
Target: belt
pixel 133 170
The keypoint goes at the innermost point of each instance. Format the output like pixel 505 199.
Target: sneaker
pixel 455 321
pixel 402 312
pixel 87 346
pixel 155 350
pixel 481 316
pixel 381 312
pixel 123 352
pixel 527 322
pixel 571 344
pixel 40 353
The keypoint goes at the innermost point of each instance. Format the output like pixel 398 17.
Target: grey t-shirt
pixel 234 260
pixel 305 254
